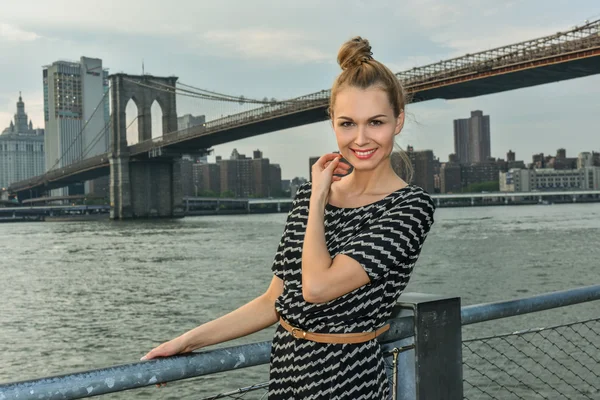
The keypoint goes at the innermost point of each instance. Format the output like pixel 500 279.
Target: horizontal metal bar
pixel 504 309
pixel 131 376
pixel 137 375
pixel 140 374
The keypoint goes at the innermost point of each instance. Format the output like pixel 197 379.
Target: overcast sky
pixel 284 49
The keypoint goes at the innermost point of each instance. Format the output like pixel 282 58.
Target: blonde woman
pixel 347 252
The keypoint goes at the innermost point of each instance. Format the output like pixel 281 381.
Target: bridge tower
pixel 144 186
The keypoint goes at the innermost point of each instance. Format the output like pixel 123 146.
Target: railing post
pixel 433 369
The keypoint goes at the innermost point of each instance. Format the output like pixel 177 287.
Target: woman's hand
pixel 170 348
pixel 323 174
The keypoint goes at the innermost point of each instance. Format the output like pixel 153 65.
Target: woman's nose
pixel 361 138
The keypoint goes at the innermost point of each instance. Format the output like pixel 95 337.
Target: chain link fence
pixel 559 362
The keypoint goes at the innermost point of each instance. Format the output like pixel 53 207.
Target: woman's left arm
pixel 324 279
pixel 392 241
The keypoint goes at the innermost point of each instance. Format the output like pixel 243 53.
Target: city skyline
pixel 277 47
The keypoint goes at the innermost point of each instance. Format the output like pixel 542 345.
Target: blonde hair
pixel 361 70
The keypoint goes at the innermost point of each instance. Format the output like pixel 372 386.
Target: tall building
pixel 76 113
pixel 188 120
pixel 479 173
pixel 423 167
pixel 207 179
pixel 21 149
pixel 585 160
pixel 510 156
pixel 237 175
pixel 472 138
pixel 275 185
pixel 595 159
pixel 450 176
pixel 261 176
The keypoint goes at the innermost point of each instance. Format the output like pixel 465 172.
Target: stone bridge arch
pixel 143 187
pixel 144 90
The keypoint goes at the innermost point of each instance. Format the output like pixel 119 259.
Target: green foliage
pixel 208 193
pixel 491 186
pixel 227 194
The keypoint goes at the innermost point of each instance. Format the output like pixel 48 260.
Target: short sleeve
pixel 296 211
pixel 394 239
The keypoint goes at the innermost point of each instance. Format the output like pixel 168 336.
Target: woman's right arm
pixel 252 317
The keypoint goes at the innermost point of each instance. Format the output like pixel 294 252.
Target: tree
pixel 227 194
pixel 490 186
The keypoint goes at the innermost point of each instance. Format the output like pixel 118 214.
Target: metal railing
pixel 578 38
pixel 404 339
pixel 537 363
pixel 61 172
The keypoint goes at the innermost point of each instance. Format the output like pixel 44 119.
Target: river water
pixel 85 295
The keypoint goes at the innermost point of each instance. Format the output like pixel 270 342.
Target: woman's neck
pixel 377 181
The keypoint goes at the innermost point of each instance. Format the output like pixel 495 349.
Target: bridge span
pixel 564 55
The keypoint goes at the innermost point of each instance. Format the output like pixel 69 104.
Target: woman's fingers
pixel 326 159
pixel 333 164
pixel 340 171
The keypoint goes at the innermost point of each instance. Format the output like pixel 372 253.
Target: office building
pixel 547 179
pixel 275 185
pixel 188 121
pixel 207 179
pixel 450 176
pixel 76 114
pixel 21 149
pixel 472 138
pixel 479 172
pixel 423 167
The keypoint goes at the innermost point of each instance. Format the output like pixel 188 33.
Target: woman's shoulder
pixel 412 196
pixel 304 189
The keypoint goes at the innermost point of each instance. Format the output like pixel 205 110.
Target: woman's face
pixel 365 126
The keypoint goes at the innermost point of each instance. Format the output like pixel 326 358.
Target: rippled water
pixel 85 295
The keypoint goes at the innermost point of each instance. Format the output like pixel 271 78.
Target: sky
pixel 284 49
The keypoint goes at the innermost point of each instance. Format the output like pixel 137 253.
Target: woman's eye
pixel 346 124
pixel 376 122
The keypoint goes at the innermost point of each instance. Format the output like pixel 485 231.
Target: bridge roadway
pixel 449 196
pixel 206 203
pixel 562 56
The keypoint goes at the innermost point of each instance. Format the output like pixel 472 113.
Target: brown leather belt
pixel 333 338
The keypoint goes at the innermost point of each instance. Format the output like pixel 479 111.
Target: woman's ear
pixel 399 123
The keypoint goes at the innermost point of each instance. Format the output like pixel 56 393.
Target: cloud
pixel 11 33
pixel 461 43
pixel 5 119
pixel 266 44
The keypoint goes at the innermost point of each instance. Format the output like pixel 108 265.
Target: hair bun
pixel 354 52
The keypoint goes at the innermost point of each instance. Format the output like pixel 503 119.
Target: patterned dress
pixel 385 237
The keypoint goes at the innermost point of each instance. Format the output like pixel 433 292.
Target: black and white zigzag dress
pixel 385 237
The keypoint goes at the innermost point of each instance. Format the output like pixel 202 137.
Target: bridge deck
pixel 561 61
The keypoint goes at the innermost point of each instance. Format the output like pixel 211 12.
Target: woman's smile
pixel 364 154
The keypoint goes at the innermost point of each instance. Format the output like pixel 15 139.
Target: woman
pixel 348 250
